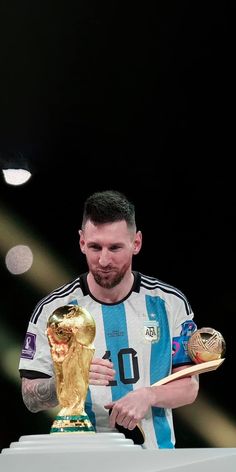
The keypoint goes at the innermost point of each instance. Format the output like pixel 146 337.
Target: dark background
pixel 138 98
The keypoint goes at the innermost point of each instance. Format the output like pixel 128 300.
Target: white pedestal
pixel 107 452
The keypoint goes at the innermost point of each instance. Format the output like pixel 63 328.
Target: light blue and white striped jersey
pixel 145 336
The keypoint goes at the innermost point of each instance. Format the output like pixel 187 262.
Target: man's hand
pixel 129 410
pixel 101 372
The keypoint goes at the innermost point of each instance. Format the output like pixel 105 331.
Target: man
pixel 142 329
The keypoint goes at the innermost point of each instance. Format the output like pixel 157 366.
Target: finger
pixel 104 362
pixel 131 425
pixel 108 406
pixel 126 420
pixel 100 375
pixel 113 415
pixel 101 369
pixel 123 421
pixel 103 382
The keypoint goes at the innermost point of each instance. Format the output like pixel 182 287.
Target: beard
pixel 109 279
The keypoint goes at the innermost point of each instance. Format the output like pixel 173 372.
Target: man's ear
pixel 137 243
pixel 81 240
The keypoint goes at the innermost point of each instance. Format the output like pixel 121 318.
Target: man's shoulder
pixel 151 283
pixel 157 287
pixel 62 295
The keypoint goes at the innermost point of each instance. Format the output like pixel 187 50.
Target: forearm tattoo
pixel 39 394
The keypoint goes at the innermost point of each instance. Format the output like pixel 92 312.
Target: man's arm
pixel 132 408
pixel 176 393
pixel 39 394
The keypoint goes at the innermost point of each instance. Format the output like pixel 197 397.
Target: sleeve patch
pixel 29 346
pixel 180 344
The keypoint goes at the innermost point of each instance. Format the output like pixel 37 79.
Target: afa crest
pixel 151 331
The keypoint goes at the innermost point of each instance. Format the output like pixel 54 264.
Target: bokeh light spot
pixel 19 259
pixel 16 176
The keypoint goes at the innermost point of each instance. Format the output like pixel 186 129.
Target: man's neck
pixel 111 295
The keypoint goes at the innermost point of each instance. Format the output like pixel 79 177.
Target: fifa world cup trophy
pixel 71 332
pixel 206 344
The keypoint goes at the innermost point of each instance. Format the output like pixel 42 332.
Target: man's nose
pixel 104 258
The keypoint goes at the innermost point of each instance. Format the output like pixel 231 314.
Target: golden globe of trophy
pixel 206 344
pixel 71 332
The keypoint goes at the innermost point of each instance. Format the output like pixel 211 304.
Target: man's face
pixel 109 249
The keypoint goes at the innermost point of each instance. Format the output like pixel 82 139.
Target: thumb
pixel 108 406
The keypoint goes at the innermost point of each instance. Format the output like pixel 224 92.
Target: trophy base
pixel 72 424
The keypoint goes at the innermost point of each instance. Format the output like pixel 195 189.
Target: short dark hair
pixel 107 207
